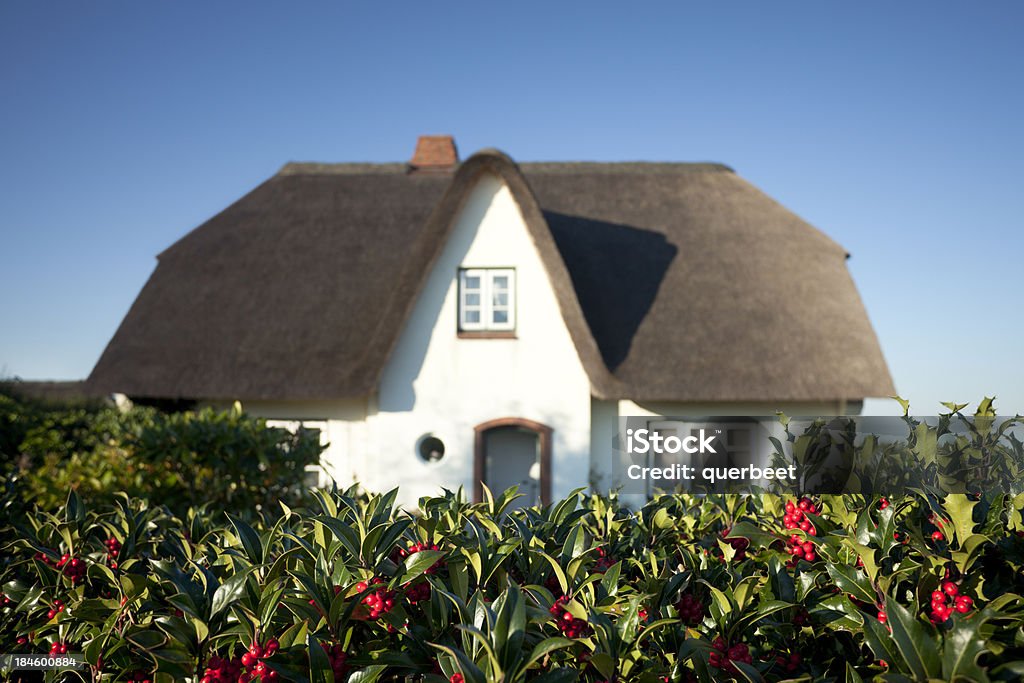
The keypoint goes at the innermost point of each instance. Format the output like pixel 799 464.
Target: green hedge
pixel 226 460
pixel 687 588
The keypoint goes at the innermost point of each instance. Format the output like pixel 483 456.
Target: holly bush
pixel 686 588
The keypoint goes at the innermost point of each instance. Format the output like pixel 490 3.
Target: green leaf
pixel 417 563
pixel 229 591
pixel 320 670
pixel 781 581
pixel 471 673
pixel 147 639
pixel 249 539
pixel 853 582
pixel 473 558
pixel 915 643
pixel 605 665
pixel 748 672
pixel 728 552
pixel 745 591
pixel 960 510
pixel 368 675
pixel 758 537
pixel 763 610
pixel 295 634
pixel 563 675
pixel 962 646
pixel 544 648
pixel 610 580
pixel 574 543
pixel 905 404
pixel 74 511
pixel 867 557
pixel 880 641
pixel 559 574
pixel 720 605
pixel 492 656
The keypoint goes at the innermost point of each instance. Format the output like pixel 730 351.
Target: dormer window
pixel 487 299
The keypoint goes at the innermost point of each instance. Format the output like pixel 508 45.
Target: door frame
pixel 543 433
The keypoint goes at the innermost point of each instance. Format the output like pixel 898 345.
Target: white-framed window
pixel 487 299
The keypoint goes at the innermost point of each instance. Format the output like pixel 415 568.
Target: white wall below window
pixel 436 382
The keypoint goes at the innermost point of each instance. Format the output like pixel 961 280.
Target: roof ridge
pixel 343 168
pixel 626 166
pixel 369 168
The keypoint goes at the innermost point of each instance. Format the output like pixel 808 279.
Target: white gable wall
pixel 437 383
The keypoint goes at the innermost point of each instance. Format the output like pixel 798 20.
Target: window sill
pixel 487 334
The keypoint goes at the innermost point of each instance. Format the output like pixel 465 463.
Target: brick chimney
pixel 434 153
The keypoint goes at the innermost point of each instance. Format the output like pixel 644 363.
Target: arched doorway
pixel 512 451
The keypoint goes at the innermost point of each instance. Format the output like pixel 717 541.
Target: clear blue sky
pixel 894 127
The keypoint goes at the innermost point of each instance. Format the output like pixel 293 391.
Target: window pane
pixel 473 299
pixel 472 316
pixel 472 282
pixel 501 316
pixel 501 281
pixel 500 299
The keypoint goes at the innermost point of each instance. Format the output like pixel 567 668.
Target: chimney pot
pixel 434 153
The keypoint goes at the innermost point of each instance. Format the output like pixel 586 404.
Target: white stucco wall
pixel 438 383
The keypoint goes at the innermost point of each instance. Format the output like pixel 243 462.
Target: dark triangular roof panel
pixel 678 282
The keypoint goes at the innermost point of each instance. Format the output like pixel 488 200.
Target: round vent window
pixel 430 448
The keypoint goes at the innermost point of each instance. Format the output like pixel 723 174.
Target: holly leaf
pixel 960 510
pixel 916 644
pixel 853 582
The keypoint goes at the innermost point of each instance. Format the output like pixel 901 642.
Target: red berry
pixel 938 536
pixel 950 588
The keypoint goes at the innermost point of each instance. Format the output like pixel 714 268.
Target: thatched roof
pixel 678 282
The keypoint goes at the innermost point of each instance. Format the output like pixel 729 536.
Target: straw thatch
pixel 678 282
